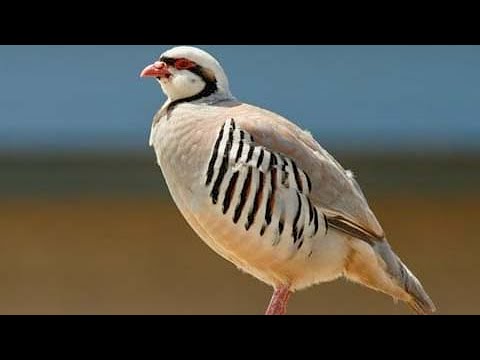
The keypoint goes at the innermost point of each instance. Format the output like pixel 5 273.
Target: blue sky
pixel 352 97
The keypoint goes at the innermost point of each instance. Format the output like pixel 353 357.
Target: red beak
pixel 157 69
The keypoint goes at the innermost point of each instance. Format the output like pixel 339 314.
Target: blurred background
pixel 87 225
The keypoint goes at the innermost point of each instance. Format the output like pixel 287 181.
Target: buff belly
pixel 274 261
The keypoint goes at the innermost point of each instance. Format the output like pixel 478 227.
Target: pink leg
pixel 278 303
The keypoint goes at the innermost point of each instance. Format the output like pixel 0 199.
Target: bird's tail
pixel 419 300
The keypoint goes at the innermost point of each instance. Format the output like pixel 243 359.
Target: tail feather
pixel 419 300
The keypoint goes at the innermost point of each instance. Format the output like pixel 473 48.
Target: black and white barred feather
pixel 260 189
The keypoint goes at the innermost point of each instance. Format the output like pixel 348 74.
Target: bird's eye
pixel 183 64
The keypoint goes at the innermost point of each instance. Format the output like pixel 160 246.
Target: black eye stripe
pixel 197 69
pixel 167 60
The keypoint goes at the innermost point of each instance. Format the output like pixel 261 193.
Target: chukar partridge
pixel 263 193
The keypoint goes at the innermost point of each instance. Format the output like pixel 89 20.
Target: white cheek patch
pixel 182 84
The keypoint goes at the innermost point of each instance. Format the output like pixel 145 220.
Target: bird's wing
pixel 332 187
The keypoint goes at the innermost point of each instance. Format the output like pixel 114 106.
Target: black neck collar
pixel 209 89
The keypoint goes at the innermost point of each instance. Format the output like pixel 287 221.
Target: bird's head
pixel 188 73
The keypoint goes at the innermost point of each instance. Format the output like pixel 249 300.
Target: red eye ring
pixel 184 64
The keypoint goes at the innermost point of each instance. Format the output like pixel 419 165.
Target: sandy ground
pixel 138 256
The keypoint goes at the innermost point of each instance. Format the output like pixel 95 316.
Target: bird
pixel 263 193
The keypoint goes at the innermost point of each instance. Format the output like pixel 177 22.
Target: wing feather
pixel 332 187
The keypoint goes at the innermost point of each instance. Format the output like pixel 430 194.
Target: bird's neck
pixel 208 95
